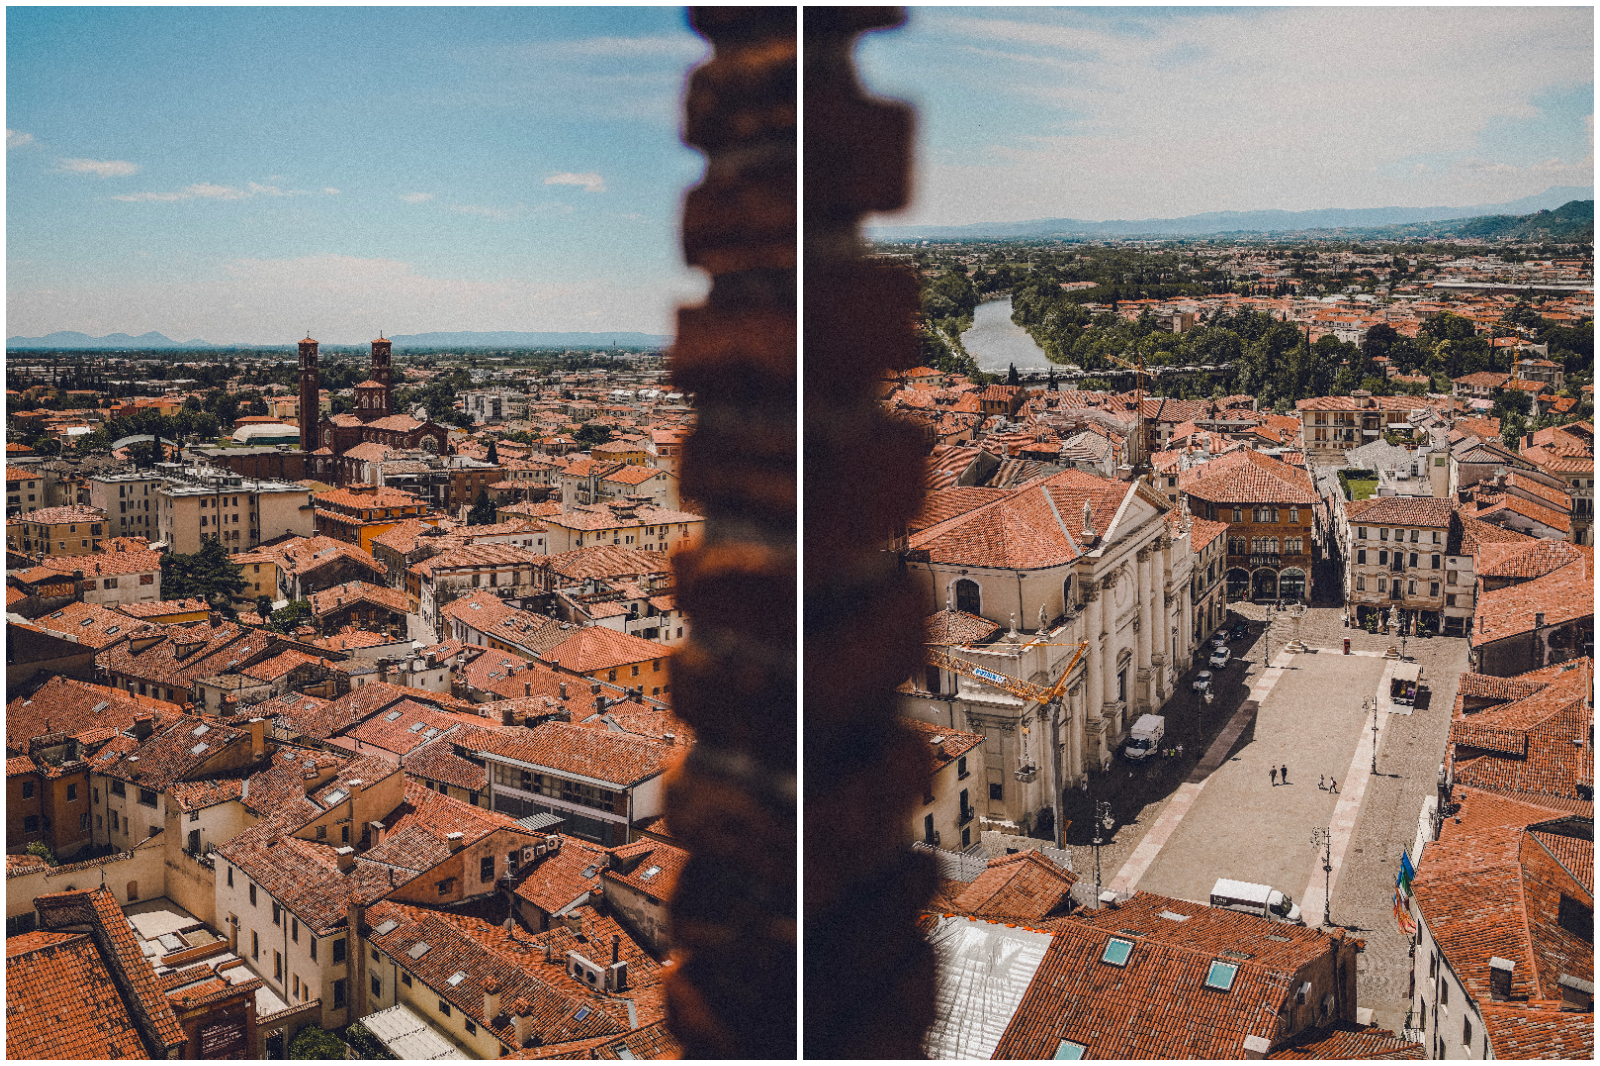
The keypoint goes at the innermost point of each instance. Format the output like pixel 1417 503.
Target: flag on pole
pixel 1402 912
pixel 1407 873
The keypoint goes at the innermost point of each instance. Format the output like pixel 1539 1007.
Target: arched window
pixel 968 597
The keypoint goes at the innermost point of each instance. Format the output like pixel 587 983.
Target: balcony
pixel 1265 559
pixel 967 814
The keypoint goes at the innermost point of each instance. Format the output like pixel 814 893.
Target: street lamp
pixel 1374 702
pixel 1323 838
pixel 1102 817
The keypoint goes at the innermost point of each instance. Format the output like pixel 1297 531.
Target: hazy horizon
pixel 246 175
pixel 1136 113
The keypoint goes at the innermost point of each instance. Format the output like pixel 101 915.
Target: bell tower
pixel 310 395
pixel 382 373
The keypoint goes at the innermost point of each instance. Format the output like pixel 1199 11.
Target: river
pixel 997 343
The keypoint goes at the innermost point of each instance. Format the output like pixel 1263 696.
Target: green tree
pixel 592 433
pixel 290 615
pixel 1512 427
pixel 264 607
pixel 1011 376
pixel 482 513
pixel 1508 402
pixel 494 453
pixel 209 574
pixel 41 849
pixel 145 453
pixel 315 1042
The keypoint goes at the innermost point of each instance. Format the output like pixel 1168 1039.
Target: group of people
pixel 1324 782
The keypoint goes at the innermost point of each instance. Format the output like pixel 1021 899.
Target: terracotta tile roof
pixel 632 475
pixel 514 967
pixel 587 517
pixel 1480 901
pixel 401 728
pixel 360 704
pixel 383 497
pixel 598 648
pixel 415 833
pixel 1562 594
pixel 350 593
pixel 654 1041
pixel 186 653
pixel 488 614
pixel 1496 508
pixel 1247 476
pixel 947 503
pixel 1533 744
pixel 607 561
pixel 555 881
pixel 1482 428
pixel 104 564
pixel 88 624
pixel 616 759
pixel 350 638
pixel 66 705
pixel 279 665
pixel 160 608
pixel 63 1003
pixel 1529 1031
pixel 1400 511
pixel 471 555
pixel 437 761
pixel 1157 1005
pixel 60 515
pixel 1347 1040
pixel 641 719
pixel 647 866
pixel 1037 526
pixel 172 753
pixel 958 627
pixel 1025 886
pixel 303 555
pixel 1489 379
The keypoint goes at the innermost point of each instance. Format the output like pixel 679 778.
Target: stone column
pixel 1094 603
pixel 1147 645
pixel 1108 666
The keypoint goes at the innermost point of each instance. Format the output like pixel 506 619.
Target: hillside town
pixel 339 703
pixel 1259 713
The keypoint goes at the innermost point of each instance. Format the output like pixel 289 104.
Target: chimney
pixel 527 688
pixel 574 923
pixel 455 840
pixel 670 738
pixel 143 726
pixel 507 716
pixel 214 618
pixel 1577 995
pixel 347 858
pixel 616 946
pixel 1255 1047
pixel 521 1023
pixel 375 833
pixel 491 999
pixel 599 705
pixel 594 688
pixel 563 690
pixel 1500 972
pixel 1538 620
pixel 258 737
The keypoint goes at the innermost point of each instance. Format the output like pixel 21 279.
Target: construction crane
pixel 1026 691
pixel 1140 447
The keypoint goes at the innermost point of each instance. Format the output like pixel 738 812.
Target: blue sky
pixel 1101 113
pixel 248 174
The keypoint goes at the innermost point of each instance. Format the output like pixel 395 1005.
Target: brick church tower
pixel 310 395
pixel 375 396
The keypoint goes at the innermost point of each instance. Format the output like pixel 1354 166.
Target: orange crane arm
pixel 1023 690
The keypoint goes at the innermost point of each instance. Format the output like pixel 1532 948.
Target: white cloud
pixel 1296 107
pixel 591 182
pixel 205 190
pixel 100 168
pixel 330 191
pixel 346 298
pixel 416 197
pixel 16 138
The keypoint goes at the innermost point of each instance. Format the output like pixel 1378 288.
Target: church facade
pixel 374 420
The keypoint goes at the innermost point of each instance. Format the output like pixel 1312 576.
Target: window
pixel 1413 563
pixel 1294 515
pixel 1466 1030
pixel 147 579
pixel 146 796
pixel 405 979
pixel 612 676
pixel 1435 562
pixel 1414 535
pixel 1444 991
pixel 1361 555
pixel 27 790
pixel 1383 558
pixel 194 816
pixel 961 767
pixel 119 788
pixel 444 1008
pixel 1361 582
pixel 486 868
pixel 1411 587
pixel 1383 534
pixel 252 895
pixel 1577 919
pixel 338 993
pixel 1383 584
pixel 339 948
pixel 1450 577
pixel 255 944
pixel 377 986
pixel 1221 975
pixel 30 824
pixel 1433 588
pixel 294 929
pixel 313 944
pixel 472 1027
pixel 230 877
pixel 1450 600
pixel 1117 951
pixel 114 824
pixel 996 790
pixel 1362 533
pixel 277 914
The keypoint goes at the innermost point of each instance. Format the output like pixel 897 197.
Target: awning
pixel 409 1036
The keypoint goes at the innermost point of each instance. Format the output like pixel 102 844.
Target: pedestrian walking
pixel 1333 786
pixel 1322 782
pixel 1272 771
pixel 1283 772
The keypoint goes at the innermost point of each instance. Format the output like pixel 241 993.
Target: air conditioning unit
pixel 530 852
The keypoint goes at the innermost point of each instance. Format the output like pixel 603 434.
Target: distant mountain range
pixel 1219 222
pixel 74 341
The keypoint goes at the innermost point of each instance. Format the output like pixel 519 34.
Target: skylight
pixel 648 874
pixel 419 949
pixel 87 622
pixel 1117 952
pixel 392 715
pixel 113 629
pixel 200 730
pixel 387 927
pixel 456 978
pixel 198 748
pixel 589 871
pixel 1069 1050
pixel 97 708
pixel 414 727
pixel 583 1012
pixel 1221 975
pixel 336 796
pixel 1174 917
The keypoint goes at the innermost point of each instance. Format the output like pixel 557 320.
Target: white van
pixel 1262 900
pixel 1145 737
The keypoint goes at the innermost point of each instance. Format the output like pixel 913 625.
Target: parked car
pixel 1220 640
pixel 1220 657
pixel 1240 630
pixel 1202 681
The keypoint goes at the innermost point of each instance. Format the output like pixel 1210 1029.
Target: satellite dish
pixel 420 413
